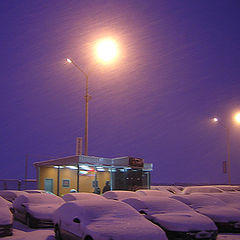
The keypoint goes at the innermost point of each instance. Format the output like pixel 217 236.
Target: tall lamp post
pixel 216 120
pixel 227 129
pixel 107 50
pixel 87 98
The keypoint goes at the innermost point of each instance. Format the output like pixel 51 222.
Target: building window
pixel 65 183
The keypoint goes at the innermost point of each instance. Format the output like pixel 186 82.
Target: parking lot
pixel 22 232
pixel 155 205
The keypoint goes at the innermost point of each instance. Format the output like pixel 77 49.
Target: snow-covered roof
pixel 97 161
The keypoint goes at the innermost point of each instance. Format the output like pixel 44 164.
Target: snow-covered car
pixel 178 220
pixel 153 193
pixel 225 217
pixel 6 218
pixel 201 189
pixel 11 195
pixel 103 219
pixel 119 194
pixel 81 196
pixel 36 209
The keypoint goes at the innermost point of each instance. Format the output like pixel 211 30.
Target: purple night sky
pixel 179 66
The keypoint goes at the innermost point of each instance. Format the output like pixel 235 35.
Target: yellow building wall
pixel 70 174
pixel 85 181
pixel 102 177
pixel 49 173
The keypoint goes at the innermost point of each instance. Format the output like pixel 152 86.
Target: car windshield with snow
pixel 36 209
pixel 178 220
pixel 103 219
pixel 225 217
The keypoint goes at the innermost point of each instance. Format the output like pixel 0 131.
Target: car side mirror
pixel 142 212
pixel 76 220
pixel 12 210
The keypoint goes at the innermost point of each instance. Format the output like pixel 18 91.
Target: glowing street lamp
pixel 87 98
pixel 237 118
pixel 107 50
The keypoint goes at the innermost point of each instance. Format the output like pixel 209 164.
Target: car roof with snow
pixel 153 193
pixel 119 194
pixel 80 196
pixel 158 204
pixel 37 199
pixel 201 189
pixel 199 200
pixel 171 189
pixel 95 208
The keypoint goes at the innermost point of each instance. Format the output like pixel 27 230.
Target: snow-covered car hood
pixel 5 216
pixel 183 221
pixel 220 214
pixel 125 230
pixel 44 211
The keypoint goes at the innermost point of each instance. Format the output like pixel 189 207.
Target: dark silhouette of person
pixel 106 187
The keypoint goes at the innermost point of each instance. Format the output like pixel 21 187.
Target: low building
pixel 90 174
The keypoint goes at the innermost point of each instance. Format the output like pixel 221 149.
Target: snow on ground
pixel 228 237
pixel 22 232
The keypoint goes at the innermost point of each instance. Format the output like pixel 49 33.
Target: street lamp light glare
pixel 237 117
pixel 107 50
pixel 69 60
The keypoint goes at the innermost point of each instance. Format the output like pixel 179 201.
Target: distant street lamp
pixel 237 120
pixel 87 98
